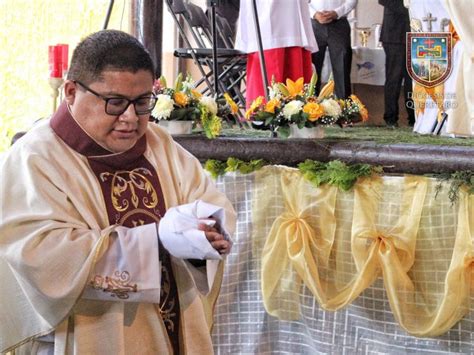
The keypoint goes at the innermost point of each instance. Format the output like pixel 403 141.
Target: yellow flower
pixel 355 99
pixel 254 106
pixel 327 90
pixel 295 87
pixel 233 106
pixel 314 110
pixel 196 94
pixel 271 105
pixel 364 114
pixel 256 103
pixel 180 98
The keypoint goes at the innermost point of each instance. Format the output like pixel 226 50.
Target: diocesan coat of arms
pixel 429 57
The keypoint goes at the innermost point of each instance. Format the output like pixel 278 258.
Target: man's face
pixel 116 133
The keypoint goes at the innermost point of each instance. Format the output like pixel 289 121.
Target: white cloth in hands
pixel 179 233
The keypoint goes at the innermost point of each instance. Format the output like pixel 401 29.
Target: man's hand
pixel 187 231
pixel 324 17
pixel 216 239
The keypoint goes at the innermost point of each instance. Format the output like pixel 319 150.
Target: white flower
pixel 209 103
pixel 163 107
pixel 274 92
pixel 331 108
pixel 292 108
pixel 188 84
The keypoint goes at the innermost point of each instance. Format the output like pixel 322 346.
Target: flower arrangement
pixel 183 103
pixel 296 103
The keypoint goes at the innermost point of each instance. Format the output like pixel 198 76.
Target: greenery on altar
pixel 341 175
pixel 28 27
pixel 456 181
pixel 218 168
pixel 335 173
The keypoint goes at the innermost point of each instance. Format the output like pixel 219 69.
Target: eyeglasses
pixel 115 106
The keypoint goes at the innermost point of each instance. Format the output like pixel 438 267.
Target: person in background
pixel 111 234
pixel 332 31
pixel 395 25
pixel 228 9
pixel 287 40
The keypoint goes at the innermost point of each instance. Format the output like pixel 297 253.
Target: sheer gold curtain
pixel 339 243
pixel 28 27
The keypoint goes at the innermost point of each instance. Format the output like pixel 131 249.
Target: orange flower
pixel 271 105
pixel 295 87
pixel 314 110
pixel 180 98
pixel 364 114
pixel 233 106
pixel 196 94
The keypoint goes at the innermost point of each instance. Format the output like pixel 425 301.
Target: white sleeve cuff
pixel 129 270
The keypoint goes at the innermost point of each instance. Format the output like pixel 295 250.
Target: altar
pixel 385 267
pixel 368 324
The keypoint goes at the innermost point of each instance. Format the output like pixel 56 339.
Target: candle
pixel 64 56
pixel 54 60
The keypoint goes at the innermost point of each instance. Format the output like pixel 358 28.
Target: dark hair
pixel 108 50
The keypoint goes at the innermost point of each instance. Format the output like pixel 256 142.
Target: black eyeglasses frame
pixel 152 97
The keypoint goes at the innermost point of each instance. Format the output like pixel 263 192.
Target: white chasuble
pixel 59 231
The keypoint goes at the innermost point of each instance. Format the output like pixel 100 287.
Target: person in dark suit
pixel 396 23
pixel 333 32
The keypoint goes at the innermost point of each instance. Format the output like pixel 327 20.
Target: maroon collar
pixel 66 127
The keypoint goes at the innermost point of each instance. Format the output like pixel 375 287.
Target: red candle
pixel 55 63
pixel 64 56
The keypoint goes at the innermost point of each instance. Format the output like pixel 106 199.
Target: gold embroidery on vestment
pixel 126 216
pixel 117 285
pixel 166 313
pixel 133 180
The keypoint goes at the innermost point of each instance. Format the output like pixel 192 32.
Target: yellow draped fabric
pixel 338 243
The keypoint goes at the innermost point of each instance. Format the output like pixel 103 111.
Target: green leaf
pixel 312 83
pixel 163 81
pixel 336 173
pixel 268 120
pixel 215 167
pixel 456 181
pixel 283 89
pixel 232 164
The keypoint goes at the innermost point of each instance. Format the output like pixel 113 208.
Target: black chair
pixel 196 33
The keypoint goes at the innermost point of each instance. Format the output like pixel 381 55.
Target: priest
pixel 111 236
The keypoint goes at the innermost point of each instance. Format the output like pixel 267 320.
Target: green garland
pixel 336 173
pixel 219 168
pixel 456 181
pixel 215 167
pixel 339 174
